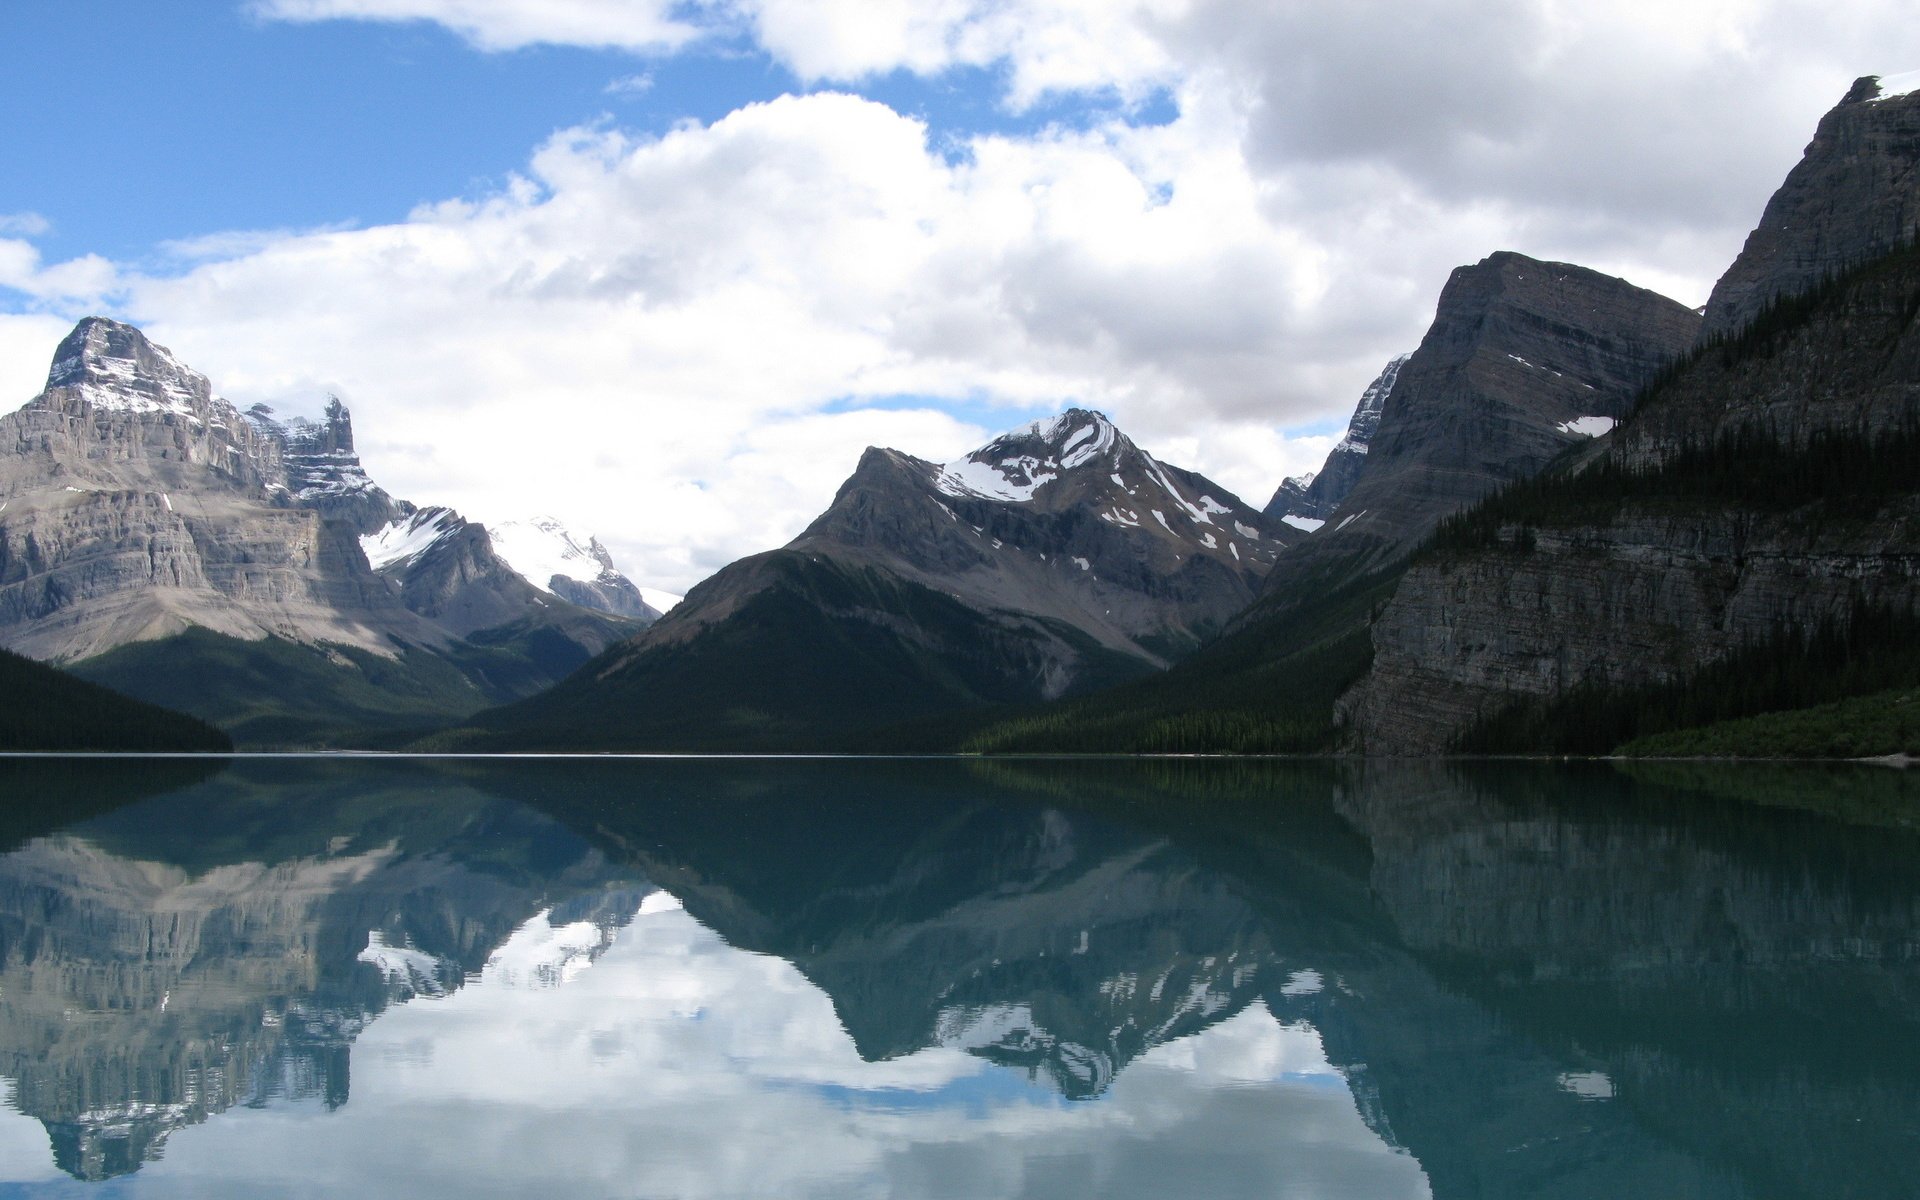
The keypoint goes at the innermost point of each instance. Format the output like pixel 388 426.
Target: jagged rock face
pixel 1641 599
pixel 1653 590
pixel 1524 359
pixel 133 504
pixel 322 471
pixel 445 569
pixel 1305 502
pixel 1854 195
pixel 1063 520
pixel 575 568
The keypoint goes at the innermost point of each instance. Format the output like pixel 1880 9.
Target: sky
pixel 663 268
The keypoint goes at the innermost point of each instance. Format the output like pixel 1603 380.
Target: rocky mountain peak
pixel 1854 195
pixel 1018 463
pixel 1366 417
pixel 1524 359
pixel 114 366
pixel 1305 501
pixel 571 565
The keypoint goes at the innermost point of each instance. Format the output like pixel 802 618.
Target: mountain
pixel 1306 501
pixel 1745 543
pixel 48 710
pixel 1057 557
pixel 156 540
pixel 1854 195
pixel 323 472
pixel 1525 361
pixel 574 567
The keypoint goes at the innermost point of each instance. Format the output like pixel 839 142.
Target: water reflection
pixel 701 979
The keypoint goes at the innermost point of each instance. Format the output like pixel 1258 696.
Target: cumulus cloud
pixel 675 340
pixel 82 281
pixel 643 333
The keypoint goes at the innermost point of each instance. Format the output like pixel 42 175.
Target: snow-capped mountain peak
pixel 1017 464
pixel 540 548
pixel 571 565
pixel 115 368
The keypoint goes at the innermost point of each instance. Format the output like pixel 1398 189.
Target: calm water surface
pixel 711 979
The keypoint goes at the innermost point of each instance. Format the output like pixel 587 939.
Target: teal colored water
pixel 672 978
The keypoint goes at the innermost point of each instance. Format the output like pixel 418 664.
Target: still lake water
pixel 1049 979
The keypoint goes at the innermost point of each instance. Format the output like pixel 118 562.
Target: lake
pixel 704 978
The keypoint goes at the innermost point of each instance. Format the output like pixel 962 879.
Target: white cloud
pixel 642 25
pixel 82 282
pixel 641 334
pixel 668 339
pixel 26 351
pixel 1049 46
pixel 630 85
pixel 24 224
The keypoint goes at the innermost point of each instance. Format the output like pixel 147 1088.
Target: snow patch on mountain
pixel 113 383
pixel 658 600
pixel 1892 87
pixel 540 548
pixel 1013 480
pixel 407 538
pixel 1588 426
pixel 1015 465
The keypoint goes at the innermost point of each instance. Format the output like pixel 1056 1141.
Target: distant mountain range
pixel 155 539
pixel 1055 559
pixel 1575 505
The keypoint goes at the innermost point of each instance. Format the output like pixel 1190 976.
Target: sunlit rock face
pixel 139 504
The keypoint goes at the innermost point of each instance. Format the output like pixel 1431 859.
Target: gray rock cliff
pixel 1854 195
pixel 1655 584
pixel 1524 360
pixel 1311 499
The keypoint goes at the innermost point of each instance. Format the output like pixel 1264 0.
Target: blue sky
pixel 161 123
pixel 662 268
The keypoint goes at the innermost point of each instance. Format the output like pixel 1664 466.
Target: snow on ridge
pixel 1588 426
pixel 1305 524
pixel 419 972
pixel 660 601
pixel 114 384
pixel 540 548
pixel 1892 87
pixel 969 477
pixel 997 472
pixel 408 537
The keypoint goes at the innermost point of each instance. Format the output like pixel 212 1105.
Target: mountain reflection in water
pixel 702 978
